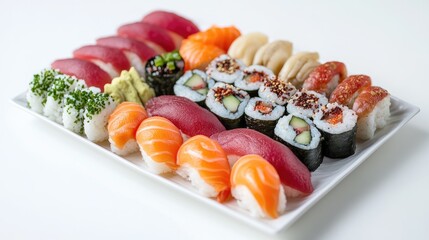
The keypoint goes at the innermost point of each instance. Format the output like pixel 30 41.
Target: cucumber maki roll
pixel 225 69
pixel 338 125
pixel 193 85
pixel 262 115
pixel 227 103
pixel 163 71
pixel 253 77
pixel 299 134
pixel 306 103
pixel 276 91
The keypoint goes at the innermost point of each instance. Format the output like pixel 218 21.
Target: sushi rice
pixel 96 116
pixel 225 69
pixel 183 91
pixel 38 89
pixel 191 174
pixel 366 126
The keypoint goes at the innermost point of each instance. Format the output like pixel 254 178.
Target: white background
pixel 53 187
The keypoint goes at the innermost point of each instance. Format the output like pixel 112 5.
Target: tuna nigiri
pixel 326 77
pixel 257 187
pixel 198 55
pixel 122 127
pixel 111 60
pixel 136 52
pixel 347 91
pixel 159 140
pixel 221 37
pixel 93 75
pixel 188 116
pixel 172 22
pixel 155 37
pixel 373 109
pixel 205 164
pixel 293 173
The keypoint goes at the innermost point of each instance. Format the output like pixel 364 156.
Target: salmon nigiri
pixel 159 140
pixel 198 55
pixel 204 163
pixel 256 185
pixel 221 37
pixel 122 127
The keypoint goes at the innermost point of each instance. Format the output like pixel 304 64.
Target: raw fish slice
pixel 112 60
pixel 368 99
pixel 221 37
pixel 347 91
pixel 326 77
pixel 172 22
pixel 293 173
pixel 159 141
pixel 188 116
pixel 93 75
pixel 155 37
pixel 205 164
pixel 126 44
pixel 198 55
pixel 255 175
pixel 122 127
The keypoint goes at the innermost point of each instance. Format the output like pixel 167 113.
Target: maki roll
pixel 227 103
pixel 225 69
pixel 163 71
pixel 193 85
pixel 276 91
pixel 253 77
pixel 299 134
pixel 262 115
pixel 306 103
pixel 338 125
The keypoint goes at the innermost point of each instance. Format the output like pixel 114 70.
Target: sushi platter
pixel 249 127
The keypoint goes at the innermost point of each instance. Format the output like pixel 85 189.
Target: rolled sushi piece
pixel 194 85
pixel 38 90
pixel 96 115
pixel 122 127
pixel 227 103
pixel 256 185
pixel 253 77
pixel 325 78
pixel 203 162
pixel 276 91
pixel 159 141
pixel 163 71
pixel 299 134
pixel 306 103
pixel 262 115
pixel 74 109
pixel 373 109
pixel 60 88
pixel 338 125
pixel 225 69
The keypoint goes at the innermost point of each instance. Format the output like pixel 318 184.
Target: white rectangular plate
pixel 327 176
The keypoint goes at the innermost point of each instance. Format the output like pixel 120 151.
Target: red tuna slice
pixel 126 44
pixel 111 60
pixel 293 173
pixel 157 38
pixel 93 75
pixel 171 22
pixel 190 118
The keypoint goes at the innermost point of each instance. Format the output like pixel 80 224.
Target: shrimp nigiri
pixel 205 164
pixel 256 185
pixel 159 140
pixel 122 127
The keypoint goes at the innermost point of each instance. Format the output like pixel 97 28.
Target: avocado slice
pixel 195 82
pixel 299 124
pixel 203 91
pixel 231 103
pixel 303 138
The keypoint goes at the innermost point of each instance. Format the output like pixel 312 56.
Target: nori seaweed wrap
pixel 262 115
